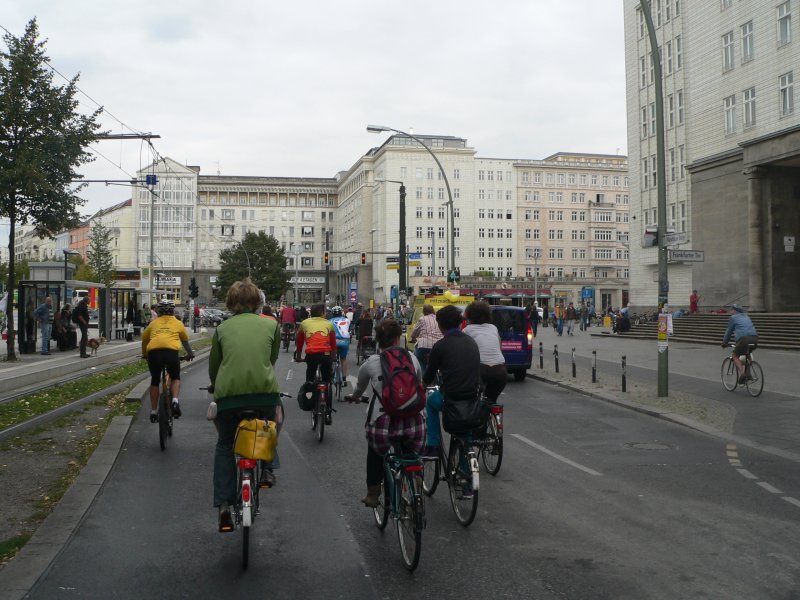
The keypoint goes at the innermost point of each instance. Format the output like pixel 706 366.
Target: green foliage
pixel 483 274
pixel 43 139
pixel 101 261
pixel 267 265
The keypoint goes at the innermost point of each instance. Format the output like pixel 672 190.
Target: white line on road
pixel 791 500
pixel 747 474
pixel 771 489
pixel 555 455
pixel 289 375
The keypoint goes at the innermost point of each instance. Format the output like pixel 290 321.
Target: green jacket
pixel 241 365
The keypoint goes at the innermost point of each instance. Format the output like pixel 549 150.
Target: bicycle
pixel 491 446
pixel 753 373
pixel 338 377
pixel 165 418
pixel 287 335
pixel 248 483
pixel 321 413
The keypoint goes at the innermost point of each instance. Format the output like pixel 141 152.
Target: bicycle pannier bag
pixel 403 394
pixel 460 416
pixel 306 397
pixel 256 438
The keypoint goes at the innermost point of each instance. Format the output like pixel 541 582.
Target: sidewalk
pixel 695 397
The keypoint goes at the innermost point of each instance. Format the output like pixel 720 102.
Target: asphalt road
pixel 592 501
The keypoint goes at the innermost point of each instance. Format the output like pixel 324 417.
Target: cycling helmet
pixel 336 311
pixel 165 307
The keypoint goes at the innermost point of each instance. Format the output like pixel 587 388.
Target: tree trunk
pixel 12 216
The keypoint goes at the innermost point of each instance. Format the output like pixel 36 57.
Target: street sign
pixel 674 239
pixel 586 293
pixel 686 255
pixel 392 259
pixel 353 296
pixel 414 256
pixel 393 267
pixel 415 263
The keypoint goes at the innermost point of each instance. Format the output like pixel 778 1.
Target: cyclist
pixel 317 334
pixel 341 326
pixel 380 428
pixel 161 341
pixel 493 365
pixel 288 319
pixel 425 334
pixel 241 368
pixel 457 357
pixel 744 332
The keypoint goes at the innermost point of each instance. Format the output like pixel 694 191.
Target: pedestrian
pixel 571 317
pixel 694 301
pixel 196 315
pixel 592 315
pixel 147 314
pixel 583 313
pixel 44 314
pixel 560 318
pixel 425 334
pixel 535 318
pixel 80 316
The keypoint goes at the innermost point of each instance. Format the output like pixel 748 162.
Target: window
pixel 787 93
pixel 441 233
pixel 490 213
pixel 441 212
pixel 749 105
pixel 642 24
pixel 306 231
pixel 430 172
pixel 525 177
pixel 430 193
pixel 456 193
pixel 652 69
pixel 669 57
pixel 645 176
pixel 308 215
pixel 604 235
pixel 747 42
pixel 670 111
pixel 784 23
pixel 481 213
pixel 549 178
pixel 602 253
pixel 419 212
pixel 441 193
pixel 490 175
pixel 481 232
pixel 456 174
pixel 654 173
pixel 726 4
pixel 430 212
pixel 727 51
pixel 729 105
pixel 419 193
pixel 680 107
pixel 227 230
pixel 572 178
pixel 678 51
pixel 402 173
pixel 536 234
pixel 605 216
pixel 306 261
pixel 644 122
pixel 682 156
pixel 537 177
pixel 491 232
pixel 419 232
pixel 482 175
pixel 536 215
pixel 672 164
pixel 418 172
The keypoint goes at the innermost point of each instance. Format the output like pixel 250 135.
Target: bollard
pixel 573 362
pixel 541 356
pixel 555 354
pixel 594 366
pixel 624 379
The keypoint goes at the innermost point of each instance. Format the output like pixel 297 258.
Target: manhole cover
pixel 648 446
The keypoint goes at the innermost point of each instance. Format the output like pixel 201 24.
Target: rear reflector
pixel 247 463
pixel 412 468
pixel 246 493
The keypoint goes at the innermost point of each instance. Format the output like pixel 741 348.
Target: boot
pixel 373 497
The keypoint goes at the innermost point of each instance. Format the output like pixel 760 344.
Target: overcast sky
pixel 259 87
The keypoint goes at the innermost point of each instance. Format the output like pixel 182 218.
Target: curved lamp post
pixel 402 282
pixel 452 254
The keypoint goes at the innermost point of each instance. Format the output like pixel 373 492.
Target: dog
pixel 94 344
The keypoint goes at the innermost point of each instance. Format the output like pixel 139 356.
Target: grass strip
pixel 9 547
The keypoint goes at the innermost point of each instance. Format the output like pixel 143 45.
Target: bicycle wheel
pixel 755 382
pixel 430 475
pixel 408 534
pixel 492 448
pixel 314 415
pixel 381 512
pixel 730 374
pixel 321 409
pixel 245 546
pixel 163 421
pixel 463 498
pixel 337 383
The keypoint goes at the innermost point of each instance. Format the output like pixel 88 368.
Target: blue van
pixel 516 338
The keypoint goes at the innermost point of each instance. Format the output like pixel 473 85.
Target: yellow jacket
pixel 164 333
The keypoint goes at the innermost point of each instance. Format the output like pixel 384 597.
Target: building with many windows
pixel 732 149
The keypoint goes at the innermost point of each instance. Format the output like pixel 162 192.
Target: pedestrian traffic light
pixel 326 258
pixel 363 258
pixel 194 292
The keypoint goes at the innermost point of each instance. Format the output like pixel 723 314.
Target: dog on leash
pixel 94 344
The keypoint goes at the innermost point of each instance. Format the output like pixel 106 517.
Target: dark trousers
pixel 84 338
pixel 494 380
pixel 374 467
pixel 325 363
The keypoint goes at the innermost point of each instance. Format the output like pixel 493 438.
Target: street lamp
pixel 67 252
pixel 452 254
pixel 402 284
pixel 297 251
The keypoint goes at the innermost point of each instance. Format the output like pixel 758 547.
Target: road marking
pixel 747 474
pixel 289 375
pixel 771 489
pixel 735 463
pixel 790 500
pixel 555 455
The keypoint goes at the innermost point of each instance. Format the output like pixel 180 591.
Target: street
pixel 592 501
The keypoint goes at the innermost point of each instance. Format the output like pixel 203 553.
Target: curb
pixel 674 418
pixel 21 574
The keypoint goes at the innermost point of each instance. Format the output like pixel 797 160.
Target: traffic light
pixel 194 292
pixel 363 258
pixel 326 258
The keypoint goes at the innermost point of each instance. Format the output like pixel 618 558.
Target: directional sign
pixel 686 255
pixel 414 255
pixel 674 239
pixel 415 263
pixel 392 259
pixel 393 267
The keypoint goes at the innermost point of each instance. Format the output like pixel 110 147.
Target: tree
pixel 101 261
pixel 43 139
pixel 267 265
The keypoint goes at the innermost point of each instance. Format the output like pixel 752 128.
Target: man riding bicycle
pixel 744 332
pixel 341 327
pixel 161 341
pixel 317 334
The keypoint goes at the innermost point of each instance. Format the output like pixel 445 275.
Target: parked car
pixel 211 317
pixel 516 338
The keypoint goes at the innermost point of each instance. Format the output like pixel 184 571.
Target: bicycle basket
pixel 256 438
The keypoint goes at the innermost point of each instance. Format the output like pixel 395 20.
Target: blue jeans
pixel 47 331
pixel 422 355
pixel 224 460
pixel 434 426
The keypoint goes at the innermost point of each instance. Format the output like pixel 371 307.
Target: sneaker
pixel 225 518
pixel 466 491
pixel 176 409
pixel 430 452
pixel 267 478
pixel 742 379
pixel 154 416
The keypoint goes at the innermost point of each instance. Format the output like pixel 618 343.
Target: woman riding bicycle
pixel 380 428
pixel 241 368
pixel 493 366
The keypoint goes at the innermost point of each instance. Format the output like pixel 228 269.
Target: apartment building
pixel 496 215
pixel 573 226
pixel 119 222
pixel 732 148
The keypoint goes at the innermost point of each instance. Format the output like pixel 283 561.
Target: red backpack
pixel 403 394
